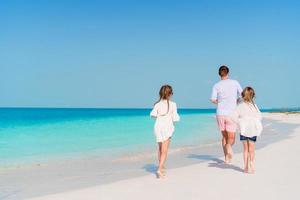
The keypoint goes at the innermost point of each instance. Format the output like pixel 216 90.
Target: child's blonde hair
pixel 248 95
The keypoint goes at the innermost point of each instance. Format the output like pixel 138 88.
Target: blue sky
pixel 118 53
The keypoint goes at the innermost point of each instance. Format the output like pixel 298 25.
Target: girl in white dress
pixel 248 118
pixel 165 113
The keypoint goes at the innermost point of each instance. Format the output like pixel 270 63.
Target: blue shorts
pixel 244 138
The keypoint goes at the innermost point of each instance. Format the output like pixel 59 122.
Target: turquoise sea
pixel 31 135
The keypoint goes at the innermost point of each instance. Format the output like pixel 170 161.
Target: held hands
pixel 239 100
pixel 214 101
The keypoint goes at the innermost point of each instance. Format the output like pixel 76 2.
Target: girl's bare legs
pixel 251 155
pixel 246 154
pixel 159 152
pixel 163 157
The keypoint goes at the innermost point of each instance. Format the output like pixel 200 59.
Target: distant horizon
pixel 140 108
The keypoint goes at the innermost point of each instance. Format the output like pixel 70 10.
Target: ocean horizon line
pixel 283 109
pixel 100 108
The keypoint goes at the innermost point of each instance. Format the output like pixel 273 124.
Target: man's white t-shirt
pixel 226 92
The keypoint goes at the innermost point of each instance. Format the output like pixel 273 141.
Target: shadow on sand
pixel 151 168
pixel 212 162
pixel 10 194
pixel 215 162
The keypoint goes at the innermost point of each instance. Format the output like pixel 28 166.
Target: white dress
pixel 164 124
pixel 248 117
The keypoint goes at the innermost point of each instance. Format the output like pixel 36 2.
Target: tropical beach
pixel 149 100
pixel 192 172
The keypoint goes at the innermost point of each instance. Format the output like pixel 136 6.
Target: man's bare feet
pixel 229 152
pixel 228 160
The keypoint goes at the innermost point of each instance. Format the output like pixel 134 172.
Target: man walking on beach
pixel 225 95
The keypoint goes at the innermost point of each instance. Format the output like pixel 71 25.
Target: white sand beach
pixel 277 176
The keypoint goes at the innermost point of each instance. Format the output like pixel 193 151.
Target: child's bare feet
pixel 252 170
pixel 163 170
pixel 160 174
pixel 246 170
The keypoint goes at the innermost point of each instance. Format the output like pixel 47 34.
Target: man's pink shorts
pixel 225 123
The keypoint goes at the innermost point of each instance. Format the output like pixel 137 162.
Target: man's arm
pixel 239 91
pixel 214 95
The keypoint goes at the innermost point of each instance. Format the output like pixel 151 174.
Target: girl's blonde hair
pixel 165 93
pixel 248 95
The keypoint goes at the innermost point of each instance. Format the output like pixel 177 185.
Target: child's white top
pixel 248 118
pixel 226 92
pixel 164 126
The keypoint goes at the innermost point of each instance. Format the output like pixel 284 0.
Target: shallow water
pixel 29 135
